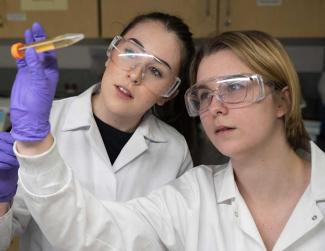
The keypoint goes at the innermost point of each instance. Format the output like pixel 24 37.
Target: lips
pixel 221 129
pixel 124 91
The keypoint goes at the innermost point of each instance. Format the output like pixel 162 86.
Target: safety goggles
pixel 156 74
pixel 235 91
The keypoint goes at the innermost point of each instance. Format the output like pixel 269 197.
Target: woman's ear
pixel 283 102
pixel 161 101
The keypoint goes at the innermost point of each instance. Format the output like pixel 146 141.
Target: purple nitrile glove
pixel 33 90
pixel 8 168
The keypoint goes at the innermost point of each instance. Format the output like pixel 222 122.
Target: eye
pixel 155 72
pixel 129 53
pixel 203 94
pixel 236 86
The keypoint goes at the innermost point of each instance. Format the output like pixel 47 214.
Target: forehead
pixel 221 63
pixel 156 39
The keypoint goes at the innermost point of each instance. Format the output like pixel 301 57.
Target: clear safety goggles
pixel 156 74
pixel 235 91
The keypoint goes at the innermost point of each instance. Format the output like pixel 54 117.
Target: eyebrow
pixel 159 59
pixel 202 85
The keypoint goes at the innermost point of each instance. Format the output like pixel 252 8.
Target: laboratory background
pixel 299 24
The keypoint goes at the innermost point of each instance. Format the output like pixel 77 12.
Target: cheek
pixel 110 77
pixel 107 75
pixel 258 122
pixel 207 124
pixel 112 71
pixel 146 97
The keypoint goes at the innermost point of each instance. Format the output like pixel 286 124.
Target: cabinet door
pixel 200 15
pixel 67 16
pixel 285 18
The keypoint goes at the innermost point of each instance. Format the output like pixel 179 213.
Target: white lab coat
pixel 202 210
pixel 155 155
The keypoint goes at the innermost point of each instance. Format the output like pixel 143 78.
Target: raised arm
pixel 32 96
pixel 73 219
pixel 8 186
pixel 26 127
pixel 8 171
pixel 33 92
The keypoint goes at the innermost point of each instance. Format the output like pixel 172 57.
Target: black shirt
pixel 114 139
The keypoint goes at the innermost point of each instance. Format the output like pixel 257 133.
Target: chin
pixel 228 149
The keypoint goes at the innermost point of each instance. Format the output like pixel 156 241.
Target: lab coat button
pixel 314 217
pixel 236 213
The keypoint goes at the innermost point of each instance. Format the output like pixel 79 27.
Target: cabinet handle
pixel 228 20
pixel 1 21
pixel 207 8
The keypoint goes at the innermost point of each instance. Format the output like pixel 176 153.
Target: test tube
pixel 18 49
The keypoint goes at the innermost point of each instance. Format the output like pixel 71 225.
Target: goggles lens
pixel 235 91
pixel 156 75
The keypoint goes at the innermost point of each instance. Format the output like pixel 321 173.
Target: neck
pixel 122 123
pixel 272 172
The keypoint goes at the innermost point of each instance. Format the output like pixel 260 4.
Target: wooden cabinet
pixel 200 15
pixel 285 18
pixel 57 16
pixel 282 18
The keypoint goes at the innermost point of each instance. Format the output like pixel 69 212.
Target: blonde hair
pixel 264 55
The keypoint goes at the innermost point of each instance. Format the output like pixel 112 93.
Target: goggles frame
pixel 190 99
pixel 113 45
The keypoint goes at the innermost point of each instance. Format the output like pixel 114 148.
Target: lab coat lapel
pixel 97 142
pixel 79 122
pixel 148 132
pixel 308 215
pixel 229 193
pixel 318 173
pixel 133 148
pixel 303 219
pixel 245 220
pixel 80 116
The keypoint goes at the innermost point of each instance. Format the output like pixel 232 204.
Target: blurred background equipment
pixel 4 114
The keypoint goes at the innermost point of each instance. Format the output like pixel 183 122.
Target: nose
pixel 136 74
pixel 217 107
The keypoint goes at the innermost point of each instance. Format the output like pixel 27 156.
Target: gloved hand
pixel 8 168
pixel 33 90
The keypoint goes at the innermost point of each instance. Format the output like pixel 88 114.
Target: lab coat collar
pixel 317 172
pixel 80 115
pixel 147 132
pixel 150 129
pixel 225 187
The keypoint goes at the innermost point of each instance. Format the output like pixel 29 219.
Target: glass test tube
pixel 18 49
